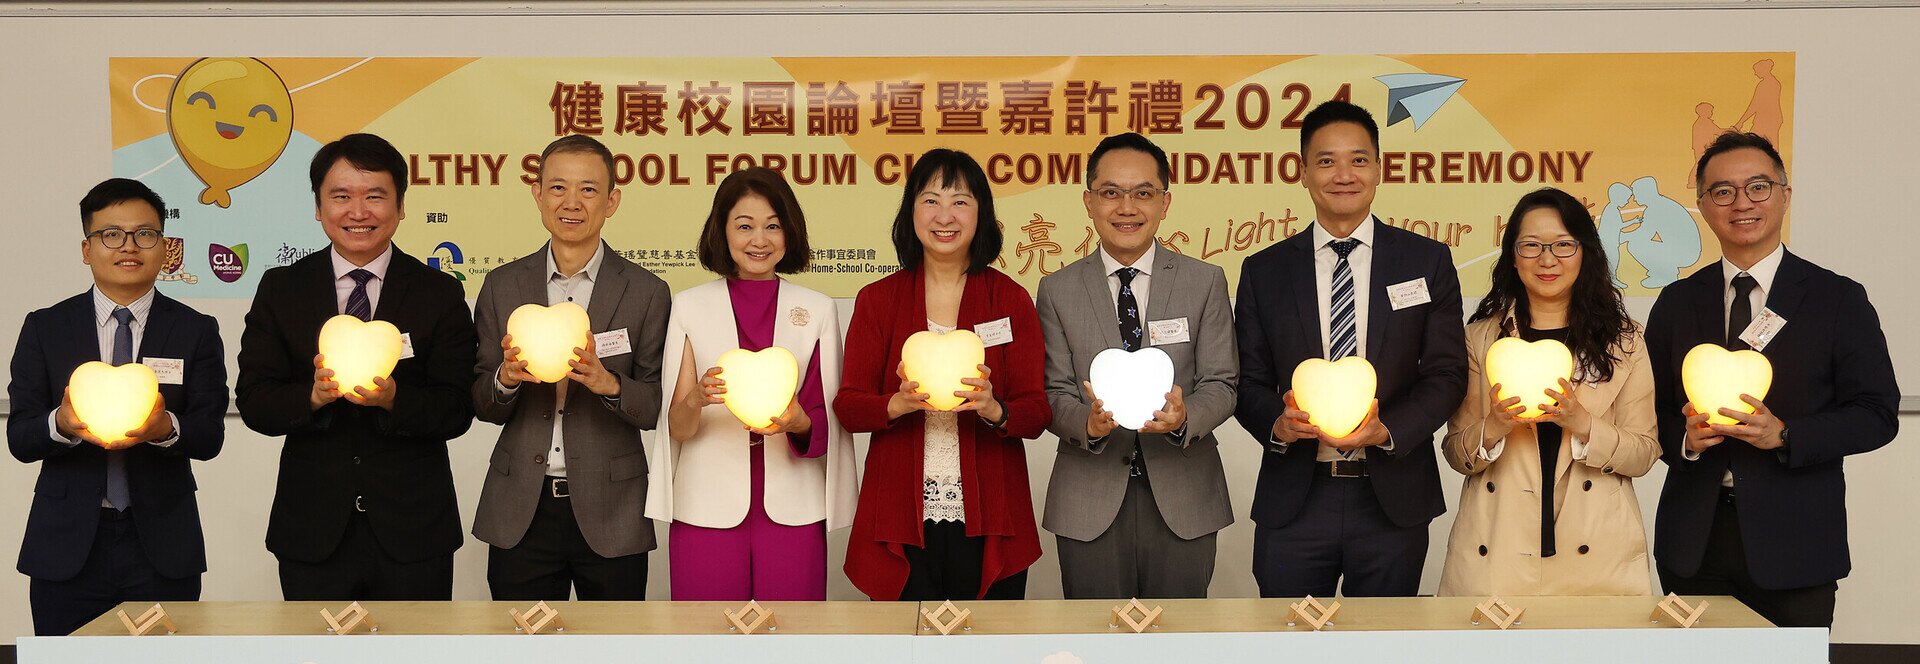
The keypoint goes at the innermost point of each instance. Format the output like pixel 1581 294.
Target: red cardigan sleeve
pixel 865 387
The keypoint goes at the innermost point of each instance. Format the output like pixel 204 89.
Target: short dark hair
pixel 118 190
pixel 768 184
pixel 1130 141
pixel 1334 112
pixel 578 144
pixel 1736 140
pixel 367 152
pixel 951 168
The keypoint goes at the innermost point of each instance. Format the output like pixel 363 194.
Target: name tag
pixel 1171 331
pixel 406 345
pixel 996 332
pixel 611 343
pixel 170 371
pixel 1408 293
pixel 1763 329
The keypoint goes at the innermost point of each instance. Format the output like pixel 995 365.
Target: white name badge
pixel 611 343
pixel 1763 329
pixel 1408 293
pixel 170 371
pixel 1170 331
pixel 406 345
pixel 996 332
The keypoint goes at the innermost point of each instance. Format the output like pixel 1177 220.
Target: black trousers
pixel 553 559
pixel 117 570
pixel 1341 539
pixel 359 569
pixel 948 567
pixel 1723 571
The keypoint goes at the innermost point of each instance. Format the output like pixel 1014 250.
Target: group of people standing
pixel 365 507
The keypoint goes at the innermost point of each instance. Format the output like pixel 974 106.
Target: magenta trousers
pixel 758 559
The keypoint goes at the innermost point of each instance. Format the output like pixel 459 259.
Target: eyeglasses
pixel 1139 194
pixel 114 238
pixel 1758 191
pixel 1561 249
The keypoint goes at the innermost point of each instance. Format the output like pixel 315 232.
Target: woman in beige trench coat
pixel 1547 506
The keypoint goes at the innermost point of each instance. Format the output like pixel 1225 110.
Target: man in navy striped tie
pixel 1347 513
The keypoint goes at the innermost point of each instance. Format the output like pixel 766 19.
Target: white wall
pixel 1853 144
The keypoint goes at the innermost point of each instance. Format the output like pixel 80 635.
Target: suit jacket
pixel 1600 543
pixel 606 462
pixel 1833 386
pixel 394 464
pixel 704 480
pixel 1419 353
pixel 1077 314
pixel 73 478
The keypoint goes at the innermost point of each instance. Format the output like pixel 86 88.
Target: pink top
pixel 755 305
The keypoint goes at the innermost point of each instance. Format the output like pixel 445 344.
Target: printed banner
pixel 227 140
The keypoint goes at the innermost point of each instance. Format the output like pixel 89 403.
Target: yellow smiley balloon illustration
pixel 230 119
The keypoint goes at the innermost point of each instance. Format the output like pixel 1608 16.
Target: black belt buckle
pixel 557 487
pixel 1347 468
pixel 1136 466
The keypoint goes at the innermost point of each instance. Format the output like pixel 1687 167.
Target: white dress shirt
pixel 1142 282
pixel 1360 263
pixel 1763 273
pixel 104 328
pixel 578 289
pixel 343 284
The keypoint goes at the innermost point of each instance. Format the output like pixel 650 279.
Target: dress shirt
pixel 578 289
pixel 343 284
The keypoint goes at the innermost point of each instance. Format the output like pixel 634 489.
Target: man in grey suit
pixel 562 502
pixel 1136 512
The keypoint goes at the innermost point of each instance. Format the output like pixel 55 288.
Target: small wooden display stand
pixel 1126 615
pixel 1312 612
pixel 349 619
pixel 749 618
pixel 537 618
pixel 147 621
pixel 1496 612
pixel 1676 609
pixel 946 618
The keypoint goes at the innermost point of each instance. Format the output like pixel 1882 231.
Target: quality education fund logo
pixel 446 257
pixel 228 263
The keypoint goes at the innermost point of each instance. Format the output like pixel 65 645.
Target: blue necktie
pixel 1344 337
pixel 117 494
pixel 358 306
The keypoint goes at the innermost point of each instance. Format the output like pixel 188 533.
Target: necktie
pixel 358 306
pixel 1129 310
pixel 1741 312
pixel 1344 337
pixel 117 494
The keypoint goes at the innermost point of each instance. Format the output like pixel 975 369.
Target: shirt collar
pixel 378 266
pixel 1144 264
pixel 589 270
pixel 103 308
pixel 1363 233
pixel 1762 272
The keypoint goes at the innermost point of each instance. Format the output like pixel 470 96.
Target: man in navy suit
pixel 1355 507
pixel 115 521
pixel 1758 509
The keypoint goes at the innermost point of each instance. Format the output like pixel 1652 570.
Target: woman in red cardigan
pixel 944 509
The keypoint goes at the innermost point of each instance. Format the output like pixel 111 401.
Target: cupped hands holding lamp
pixel 1547 506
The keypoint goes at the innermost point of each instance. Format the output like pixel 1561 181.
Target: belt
pixel 1343 468
pixel 111 514
pixel 1726 495
pixel 557 487
pixel 357 505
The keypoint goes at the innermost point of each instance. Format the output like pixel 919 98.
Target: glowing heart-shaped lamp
pixel 1716 377
pixel 112 400
pixel 358 351
pixel 938 361
pixel 1131 385
pixel 1528 369
pixel 1335 395
pixel 760 385
pixel 546 337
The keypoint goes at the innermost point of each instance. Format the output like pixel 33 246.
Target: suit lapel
pixel 80 318
pixel 159 327
pixel 609 287
pixel 1788 290
pixel 393 291
pixel 1093 276
pixel 1306 294
pixel 324 303
pixel 1159 289
pixel 1384 245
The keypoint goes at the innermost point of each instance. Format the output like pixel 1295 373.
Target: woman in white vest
pixel 750 508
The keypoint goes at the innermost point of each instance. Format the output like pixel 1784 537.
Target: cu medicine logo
pixel 228 263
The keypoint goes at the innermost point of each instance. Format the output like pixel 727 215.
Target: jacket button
pixel 1587 486
pixel 546 416
pixel 539 459
pixel 356 461
pixel 1608 470
pixel 1489 487
pixel 1583 549
pixel 1483 549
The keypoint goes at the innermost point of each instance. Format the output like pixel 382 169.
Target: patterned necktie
pixel 358 306
pixel 1129 313
pixel 117 493
pixel 1742 311
pixel 1343 339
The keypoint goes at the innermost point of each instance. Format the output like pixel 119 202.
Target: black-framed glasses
pixel 1560 249
pixel 114 238
pixel 1758 191
pixel 1140 194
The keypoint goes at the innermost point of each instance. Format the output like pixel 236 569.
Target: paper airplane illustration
pixel 1417 96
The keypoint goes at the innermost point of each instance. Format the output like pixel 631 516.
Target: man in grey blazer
pixel 562 502
pixel 1136 512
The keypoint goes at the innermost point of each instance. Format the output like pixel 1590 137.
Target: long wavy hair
pixel 1597 320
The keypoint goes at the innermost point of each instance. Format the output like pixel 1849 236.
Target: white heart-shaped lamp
pixel 1528 369
pixel 358 351
pixel 1335 395
pixel 1715 378
pixel 760 385
pixel 113 400
pixel 938 361
pixel 1132 385
pixel 546 337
